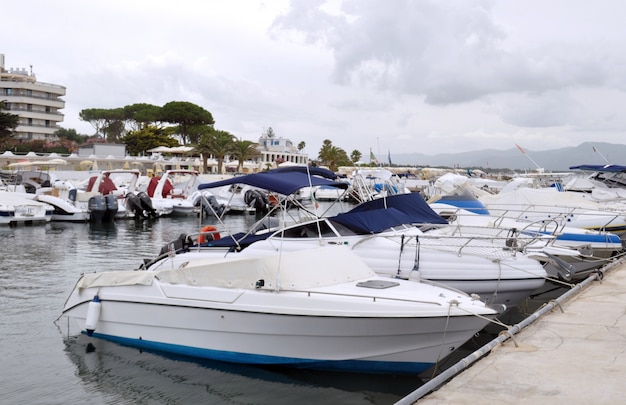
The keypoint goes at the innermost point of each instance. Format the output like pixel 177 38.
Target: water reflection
pixel 124 374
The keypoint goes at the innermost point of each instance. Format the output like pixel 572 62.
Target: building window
pixel 8 92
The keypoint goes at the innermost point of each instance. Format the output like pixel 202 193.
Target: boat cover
pixel 411 204
pixel 237 240
pixel 600 168
pixel 372 221
pixel 285 181
pixel 303 269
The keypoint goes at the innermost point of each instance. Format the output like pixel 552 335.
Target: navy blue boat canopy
pixel 284 181
pixel 600 168
pixel 312 170
pixel 412 204
pixel 372 221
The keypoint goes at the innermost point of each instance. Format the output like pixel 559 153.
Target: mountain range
pixel 517 158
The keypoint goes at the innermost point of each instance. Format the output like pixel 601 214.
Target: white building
pixel 37 104
pixel 279 150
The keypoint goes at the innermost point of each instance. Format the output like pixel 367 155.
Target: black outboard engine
pixel 211 206
pixel 133 204
pixel 257 200
pixel 146 204
pixel 97 208
pixel 112 208
pixel 178 246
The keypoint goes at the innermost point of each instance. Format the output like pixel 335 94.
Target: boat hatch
pixel 380 284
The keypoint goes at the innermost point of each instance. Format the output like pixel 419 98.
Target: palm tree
pixel 355 156
pixel 217 143
pixel 244 150
pixel 331 155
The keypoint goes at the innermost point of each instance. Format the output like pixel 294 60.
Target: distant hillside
pixel 550 160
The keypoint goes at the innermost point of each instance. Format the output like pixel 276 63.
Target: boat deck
pixel 574 353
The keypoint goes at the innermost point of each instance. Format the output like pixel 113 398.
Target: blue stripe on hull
pixel 588 238
pixel 257 359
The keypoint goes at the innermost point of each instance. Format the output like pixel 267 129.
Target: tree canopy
pixel 139 141
pixel 113 124
pixel 186 115
pixel 8 122
pixel 332 156
pixel 244 150
pixel 217 143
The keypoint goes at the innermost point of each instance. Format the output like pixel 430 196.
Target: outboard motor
pixel 97 208
pixel 146 204
pixel 178 245
pixel 111 208
pixel 257 200
pixel 133 204
pixel 211 206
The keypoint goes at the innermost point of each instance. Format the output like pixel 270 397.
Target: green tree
pixel 355 156
pixel 217 143
pixel 8 122
pixel 108 123
pixel 94 117
pixel 149 137
pixel 244 150
pixel 186 115
pixel 332 156
pixel 140 115
pixel 70 135
pixel 301 146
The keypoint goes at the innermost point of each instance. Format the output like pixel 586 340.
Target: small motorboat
pixel 316 308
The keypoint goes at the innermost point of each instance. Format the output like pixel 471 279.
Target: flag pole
pixel 598 152
pixel 539 168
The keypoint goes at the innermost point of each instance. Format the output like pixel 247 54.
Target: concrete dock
pixel 573 354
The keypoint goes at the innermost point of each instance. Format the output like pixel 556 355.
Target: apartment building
pixel 37 104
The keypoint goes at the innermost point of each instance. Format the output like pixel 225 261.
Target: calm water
pixel 40 364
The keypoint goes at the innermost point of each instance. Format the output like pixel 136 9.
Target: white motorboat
pixel 16 209
pixel 384 233
pixel 317 308
pixel 44 186
pixel 234 199
pixel 175 189
pixel 117 193
pixel 517 200
pixel 567 253
pixel 368 184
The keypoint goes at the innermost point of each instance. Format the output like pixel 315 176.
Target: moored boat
pixel 318 308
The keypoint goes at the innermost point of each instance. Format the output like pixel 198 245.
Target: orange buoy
pixel 207 229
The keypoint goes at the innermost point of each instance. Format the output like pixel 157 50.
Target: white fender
pixel 93 315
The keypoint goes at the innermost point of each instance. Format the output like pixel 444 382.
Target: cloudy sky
pixel 402 76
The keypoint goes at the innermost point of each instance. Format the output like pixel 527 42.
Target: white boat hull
pixel 405 327
pixel 16 209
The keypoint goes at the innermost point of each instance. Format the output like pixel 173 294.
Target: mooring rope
pixel 445 331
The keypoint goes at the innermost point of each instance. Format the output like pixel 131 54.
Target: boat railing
pixel 562 215
pixel 493 246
